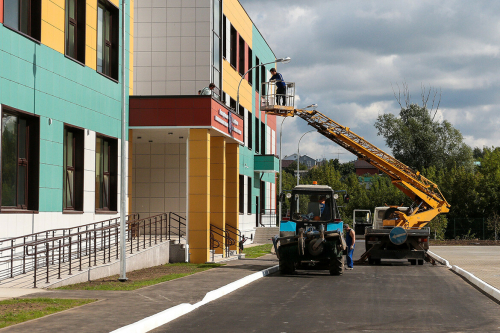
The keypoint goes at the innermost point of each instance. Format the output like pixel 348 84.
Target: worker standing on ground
pixel 280 87
pixel 350 240
pixel 208 90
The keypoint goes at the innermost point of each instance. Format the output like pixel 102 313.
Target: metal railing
pixel 271 99
pixel 179 229
pixel 268 218
pixel 50 254
pixel 226 238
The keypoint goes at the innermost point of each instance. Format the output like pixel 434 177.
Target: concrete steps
pixel 263 235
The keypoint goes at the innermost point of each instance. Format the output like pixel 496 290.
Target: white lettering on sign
pixel 237 131
pixel 226 116
pixel 221 121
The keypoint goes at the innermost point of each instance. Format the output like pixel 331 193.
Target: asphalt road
pixel 393 297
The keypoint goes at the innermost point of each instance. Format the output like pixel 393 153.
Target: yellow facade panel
pixel 198 134
pixel 199 185
pixel 198 221
pixel 239 19
pixel 52 37
pixel 54 15
pixel 231 81
pixel 91 38
pixel 60 3
pixel 198 237
pixel 91 14
pixel 199 203
pixel 90 57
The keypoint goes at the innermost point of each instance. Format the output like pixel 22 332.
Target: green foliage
pixel 292 168
pixel 420 142
pixel 493 223
pixel 257 251
pixel 438 226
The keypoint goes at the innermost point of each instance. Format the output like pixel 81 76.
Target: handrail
pixel 225 235
pixel 51 254
pixel 177 218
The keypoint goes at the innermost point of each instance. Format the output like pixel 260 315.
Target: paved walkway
pixel 120 308
pixel 482 261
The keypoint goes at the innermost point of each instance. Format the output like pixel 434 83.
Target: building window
pixel 241 56
pixel 257 75
pixel 232 103
pixel 262 78
pixel 224 39
pixel 233 47
pixel 106 167
pixel 262 137
pixel 24 16
pixel 250 59
pixel 73 169
pixel 250 131
pixel 249 195
pixel 257 136
pixel 20 161
pixel 217 45
pixel 75 29
pixel 242 194
pixel 107 40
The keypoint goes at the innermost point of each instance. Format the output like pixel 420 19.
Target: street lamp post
pixel 123 159
pixel 298 155
pixel 284 61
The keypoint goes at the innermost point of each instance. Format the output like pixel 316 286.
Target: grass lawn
pixel 143 277
pixel 15 311
pixel 257 251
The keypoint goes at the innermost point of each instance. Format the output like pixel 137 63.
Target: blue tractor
pixel 312 237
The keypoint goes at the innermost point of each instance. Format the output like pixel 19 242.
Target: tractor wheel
pixel 336 266
pixel 286 267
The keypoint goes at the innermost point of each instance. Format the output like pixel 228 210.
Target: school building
pixel 60 105
pixel 201 156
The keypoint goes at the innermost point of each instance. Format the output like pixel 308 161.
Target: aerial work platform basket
pixel 277 103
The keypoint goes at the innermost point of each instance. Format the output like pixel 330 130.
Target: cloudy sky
pixel 348 56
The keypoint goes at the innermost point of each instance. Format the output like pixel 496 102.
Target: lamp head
pixel 285 60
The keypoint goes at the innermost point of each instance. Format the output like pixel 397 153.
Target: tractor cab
pixel 313 207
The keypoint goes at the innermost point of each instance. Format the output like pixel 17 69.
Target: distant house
pixel 362 168
pixel 309 162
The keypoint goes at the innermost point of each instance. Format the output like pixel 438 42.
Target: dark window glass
pixel 107 40
pixel 249 195
pixel 250 59
pixel 241 194
pixel 250 130
pixel 19 157
pixel 75 29
pixel 24 16
pixel 73 169
pixel 263 137
pixel 241 56
pixel 106 174
pixel 217 15
pixel 241 110
pixel 262 78
pixel 257 137
pixel 232 103
pixel 257 75
pixel 233 47
pixel 224 37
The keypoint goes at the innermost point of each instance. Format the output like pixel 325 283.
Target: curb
pixel 164 317
pixel 439 259
pixel 485 287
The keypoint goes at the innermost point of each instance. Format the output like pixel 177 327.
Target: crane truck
pixel 400 233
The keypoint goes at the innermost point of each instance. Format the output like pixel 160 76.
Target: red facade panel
pixel 1 11
pixel 186 112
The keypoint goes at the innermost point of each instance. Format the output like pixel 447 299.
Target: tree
pixel 419 141
pixel 493 223
pixel 292 168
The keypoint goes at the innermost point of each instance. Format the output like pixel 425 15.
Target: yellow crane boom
pixel 429 201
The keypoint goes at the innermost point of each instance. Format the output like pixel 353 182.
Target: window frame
pixel 31 162
pixel 113 43
pixel 249 195
pixel 233 61
pixel 112 173
pixel 241 192
pixel 241 55
pixel 78 146
pixel 257 75
pixel 34 30
pixel 250 59
pixel 79 26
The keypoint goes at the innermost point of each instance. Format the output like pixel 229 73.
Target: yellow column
pixel 199 195
pixel 218 188
pixel 232 192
